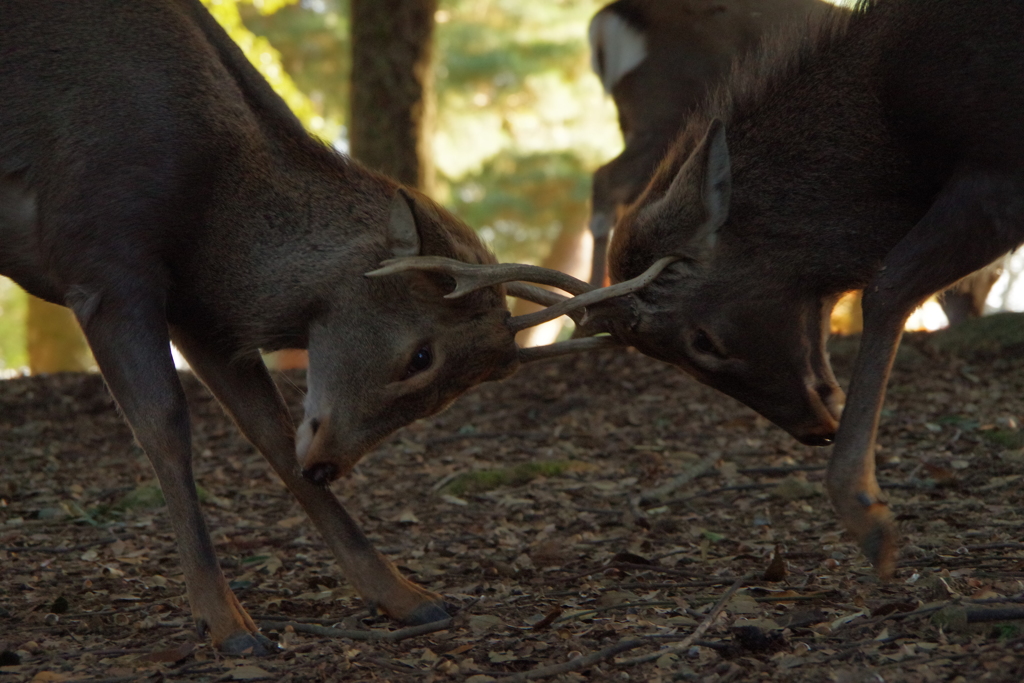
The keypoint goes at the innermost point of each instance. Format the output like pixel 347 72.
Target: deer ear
pixel 403 234
pixel 705 181
pixel 717 186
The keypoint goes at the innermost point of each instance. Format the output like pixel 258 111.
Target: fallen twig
pixel 607 608
pixel 633 565
pixel 371 635
pixel 585 661
pixel 724 489
pixel 981 615
pixel 697 632
pixel 50 550
pixel 577 663
pixel 321 621
pixel 658 494
pixel 975 615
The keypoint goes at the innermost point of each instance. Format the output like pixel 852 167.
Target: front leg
pixel 976 218
pixel 246 390
pixel 128 336
pixel 850 480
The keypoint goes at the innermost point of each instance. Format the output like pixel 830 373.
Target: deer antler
pixel 594 296
pixel 538 295
pixel 470 277
pixel 566 347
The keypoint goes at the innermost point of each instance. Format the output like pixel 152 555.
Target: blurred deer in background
pixel 881 152
pixel 154 183
pixel 659 59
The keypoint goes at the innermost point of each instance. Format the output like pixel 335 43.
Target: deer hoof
pixel 244 643
pixel 881 546
pixel 428 613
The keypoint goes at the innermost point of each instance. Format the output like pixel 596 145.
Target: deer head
pixel 436 311
pixel 763 345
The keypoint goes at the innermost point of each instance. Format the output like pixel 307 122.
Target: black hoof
pixel 428 613
pixel 251 644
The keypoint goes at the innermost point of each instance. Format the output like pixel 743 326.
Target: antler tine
pixel 563 348
pixel 590 298
pixel 470 277
pixel 538 295
pixel 544 297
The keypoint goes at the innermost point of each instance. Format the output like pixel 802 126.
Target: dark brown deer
pixel 881 152
pixel 152 181
pixel 659 59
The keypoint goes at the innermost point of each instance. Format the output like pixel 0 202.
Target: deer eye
pixel 703 344
pixel 420 361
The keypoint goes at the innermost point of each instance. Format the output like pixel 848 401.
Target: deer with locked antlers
pixel 152 181
pixel 879 152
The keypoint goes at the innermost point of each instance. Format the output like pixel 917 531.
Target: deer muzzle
pixel 825 402
pixel 320 457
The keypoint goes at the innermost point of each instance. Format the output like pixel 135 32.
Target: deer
pixel 658 60
pixel 879 151
pixel 152 182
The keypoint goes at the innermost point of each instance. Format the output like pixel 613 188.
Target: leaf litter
pixel 585 517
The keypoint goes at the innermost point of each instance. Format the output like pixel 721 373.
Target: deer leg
pixel 244 387
pixel 128 336
pixel 973 220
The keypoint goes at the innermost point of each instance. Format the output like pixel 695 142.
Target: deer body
pixel 659 59
pixel 152 181
pixel 884 153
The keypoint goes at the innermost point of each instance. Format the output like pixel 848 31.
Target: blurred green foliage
pixel 521 120
pixel 13 311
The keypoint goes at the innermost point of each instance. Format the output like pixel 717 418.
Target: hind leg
pixel 127 332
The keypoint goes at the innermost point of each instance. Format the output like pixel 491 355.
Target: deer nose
pixel 825 406
pixel 321 474
pixel 816 440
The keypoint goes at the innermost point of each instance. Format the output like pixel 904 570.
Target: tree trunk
pixel 392 98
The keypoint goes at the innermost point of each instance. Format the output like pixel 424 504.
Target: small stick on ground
pixel 657 495
pixel 586 661
pixel 697 632
pixel 356 634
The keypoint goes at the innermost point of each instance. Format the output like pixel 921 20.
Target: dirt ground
pixel 585 503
